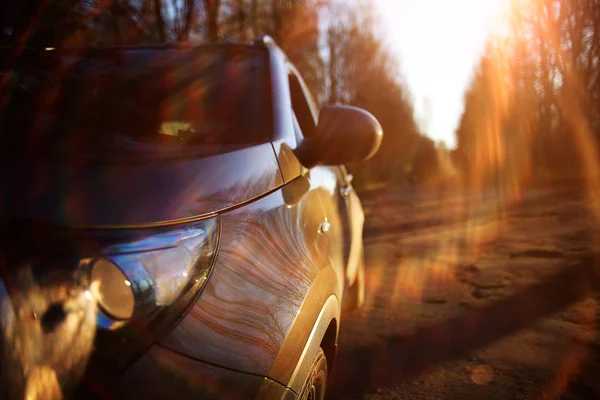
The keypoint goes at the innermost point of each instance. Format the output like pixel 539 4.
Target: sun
pixel 495 14
pixel 439 43
pixel 499 15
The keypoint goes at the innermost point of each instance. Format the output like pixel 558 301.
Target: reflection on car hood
pixel 136 194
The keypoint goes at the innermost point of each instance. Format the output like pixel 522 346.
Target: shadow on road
pixel 396 358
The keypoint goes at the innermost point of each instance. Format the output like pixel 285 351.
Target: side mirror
pixel 343 134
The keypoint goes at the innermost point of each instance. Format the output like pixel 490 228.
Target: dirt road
pixel 475 298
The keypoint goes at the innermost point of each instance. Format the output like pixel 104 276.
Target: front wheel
pixel 316 382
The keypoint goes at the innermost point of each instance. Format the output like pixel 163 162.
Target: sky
pixel 439 43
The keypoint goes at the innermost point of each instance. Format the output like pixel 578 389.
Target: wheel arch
pixel 316 325
pixel 329 343
pixel 325 331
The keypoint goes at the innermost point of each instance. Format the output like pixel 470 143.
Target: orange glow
pixel 448 241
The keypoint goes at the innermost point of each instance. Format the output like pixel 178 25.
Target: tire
pixel 316 383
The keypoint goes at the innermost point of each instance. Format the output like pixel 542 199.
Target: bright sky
pixel 439 42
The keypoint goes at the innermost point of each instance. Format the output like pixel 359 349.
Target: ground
pixel 473 297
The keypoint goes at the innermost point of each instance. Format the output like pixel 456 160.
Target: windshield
pixel 116 102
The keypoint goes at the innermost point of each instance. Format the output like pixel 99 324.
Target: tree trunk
pixel 276 16
pixel 211 9
pixel 240 13
pixel 184 34
pixel 160 22
pixel 333 78
pixel 254 17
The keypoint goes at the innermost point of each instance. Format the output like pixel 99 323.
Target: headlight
pixel 113 293
pixel 143 284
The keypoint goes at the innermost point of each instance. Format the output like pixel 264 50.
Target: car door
pixel 353 220
pixel 330 182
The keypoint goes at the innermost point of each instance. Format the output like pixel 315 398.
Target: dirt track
pixel 469 298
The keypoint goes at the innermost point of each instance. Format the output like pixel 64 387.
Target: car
pixel 176 222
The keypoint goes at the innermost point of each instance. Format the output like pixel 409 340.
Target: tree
pixel 546 122
pixel 363 72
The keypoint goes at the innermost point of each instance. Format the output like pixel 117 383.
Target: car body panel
pixel 117 195
pixel 289 164
pixel 353 218
pixel 163 374
pixel 272 254
pixel 282 104
pixel 294 360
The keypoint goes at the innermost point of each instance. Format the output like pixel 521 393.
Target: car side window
pixel 302 109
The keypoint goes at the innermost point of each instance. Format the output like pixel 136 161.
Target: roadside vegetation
pixel 532 113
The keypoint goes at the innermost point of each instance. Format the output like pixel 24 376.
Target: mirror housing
pixel 344 134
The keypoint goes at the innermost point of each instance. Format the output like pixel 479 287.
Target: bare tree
pixel 160 22
pixel 211 10
pixel 552 116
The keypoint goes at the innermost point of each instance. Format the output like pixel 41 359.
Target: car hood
pixel 136 193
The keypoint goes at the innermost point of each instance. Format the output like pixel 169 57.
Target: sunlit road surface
pixel 470 297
